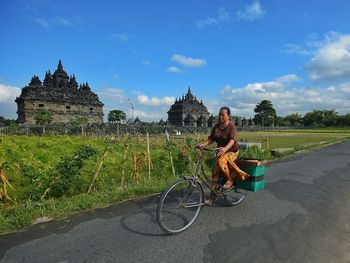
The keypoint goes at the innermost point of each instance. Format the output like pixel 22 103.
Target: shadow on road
pixel 148 216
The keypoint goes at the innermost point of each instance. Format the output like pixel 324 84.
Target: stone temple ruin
pixel 61 96
pixel 189 112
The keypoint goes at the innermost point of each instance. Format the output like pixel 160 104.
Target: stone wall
pixel 61 112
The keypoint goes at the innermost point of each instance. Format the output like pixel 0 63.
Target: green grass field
pixel 299 139
pixel 50 176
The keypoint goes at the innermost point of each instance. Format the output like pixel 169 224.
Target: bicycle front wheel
pixel 179 205
pixel 235 196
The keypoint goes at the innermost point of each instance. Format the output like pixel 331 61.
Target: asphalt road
pixel 303 215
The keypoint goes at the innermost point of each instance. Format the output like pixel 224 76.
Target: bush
pixel 254 152
pixel 65 180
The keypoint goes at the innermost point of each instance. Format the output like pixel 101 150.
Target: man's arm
pixel 205 144
pixel 228 146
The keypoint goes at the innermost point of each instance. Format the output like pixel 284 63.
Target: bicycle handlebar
pixel 207 149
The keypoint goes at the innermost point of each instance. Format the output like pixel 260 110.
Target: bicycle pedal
pixel 229 189
pixel 219 189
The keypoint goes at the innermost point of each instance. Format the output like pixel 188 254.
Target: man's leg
pixel 223 165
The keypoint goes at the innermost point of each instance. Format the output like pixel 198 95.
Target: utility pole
pixel 132 110
pixel 273 122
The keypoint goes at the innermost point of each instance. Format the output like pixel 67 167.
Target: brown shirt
pixel 223 136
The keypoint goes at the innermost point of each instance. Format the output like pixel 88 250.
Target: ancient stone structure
pixel 137 120
pixel 62 97
pixel 161 122
pixel 188 111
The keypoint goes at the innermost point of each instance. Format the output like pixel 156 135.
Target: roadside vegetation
pixel 57 176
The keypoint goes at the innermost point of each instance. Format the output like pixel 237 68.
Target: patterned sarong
pixel 227 161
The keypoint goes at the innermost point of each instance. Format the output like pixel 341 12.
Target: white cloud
pixel 188 62
pixel 288 78
pixel 271 87
pixel 121 37
pixel 154 101
pixel 296 49
pixel 146 62
pixel 311 44
pixel 332 60
pixel 173 70
pixel 345 88
pixel 8 106
pixel 137 104
pixel 74 21
pixel 146 116
pixel 42 22
pixel 63 21
pixel 330 56
pixel 113 94
pixel 285 97
pixel 222 15
pixel 8 93
pixel 251 12
pixel 331 88
pixel 213 105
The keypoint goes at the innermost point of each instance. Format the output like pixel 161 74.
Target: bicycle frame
pixel 197 178
pixel 173 214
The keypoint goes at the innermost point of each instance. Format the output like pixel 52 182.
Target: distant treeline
pixel 315 118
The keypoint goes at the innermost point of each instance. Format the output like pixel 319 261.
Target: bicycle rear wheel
pixel 234 196
pixel 179 205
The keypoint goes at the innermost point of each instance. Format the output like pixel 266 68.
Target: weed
pixel 50 175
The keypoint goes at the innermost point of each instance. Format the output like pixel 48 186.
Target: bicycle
pixel 181 202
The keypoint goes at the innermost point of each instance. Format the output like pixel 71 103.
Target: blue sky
pixel 234 53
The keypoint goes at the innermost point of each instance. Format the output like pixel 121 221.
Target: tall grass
pixel 32 164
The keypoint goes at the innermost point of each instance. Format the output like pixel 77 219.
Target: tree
pixel 321 118
pixel 313 118
pixel 80 121
pixel 43 118
pixel 344 120
pixel 116 116
pixel 330 117
pixel 265 113
pixel 294 119
pixel 129 121
pixel 280 121
pixel 10 123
